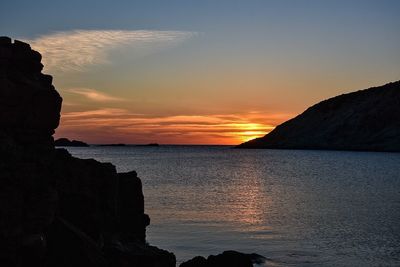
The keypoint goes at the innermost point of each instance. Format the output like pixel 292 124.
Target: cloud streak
pixel 78 49
pixel 94 95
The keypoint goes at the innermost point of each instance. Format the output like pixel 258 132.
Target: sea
pixel 294 207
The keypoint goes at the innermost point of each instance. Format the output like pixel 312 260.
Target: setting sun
pixel 248 131
pixel 249 135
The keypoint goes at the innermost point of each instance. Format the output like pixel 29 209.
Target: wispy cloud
pixel 97 113
pixel 94 95
pixel 75 50
pixel 119 125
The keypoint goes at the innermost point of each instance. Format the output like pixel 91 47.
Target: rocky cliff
pixel 57 210
pixel 363 120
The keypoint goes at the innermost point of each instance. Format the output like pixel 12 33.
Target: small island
pixel 67 142
pixel 112 145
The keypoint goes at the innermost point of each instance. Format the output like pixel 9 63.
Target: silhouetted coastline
pixel 57 210
pixel 149 145
pixel 121 144
pixel 112 145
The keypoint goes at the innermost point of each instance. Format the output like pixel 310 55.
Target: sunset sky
pixel 202 72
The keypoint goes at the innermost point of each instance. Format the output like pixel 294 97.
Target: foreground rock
pixel 57 210
pixel 67 142
pixel 226 259
pixel 363 120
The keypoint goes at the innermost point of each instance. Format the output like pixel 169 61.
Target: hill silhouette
pixel 364 120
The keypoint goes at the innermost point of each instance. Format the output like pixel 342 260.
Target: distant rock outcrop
pixel 67 142
pixel 364 120
pixel 112 145
pixel 150 145
pixel 57 210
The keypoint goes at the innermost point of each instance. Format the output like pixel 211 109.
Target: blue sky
pixel 29 18
pixel 212 59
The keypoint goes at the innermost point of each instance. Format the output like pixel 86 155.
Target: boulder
pixel 197 261
pixel 228 258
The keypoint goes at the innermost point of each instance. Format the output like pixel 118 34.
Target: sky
pixel 202 72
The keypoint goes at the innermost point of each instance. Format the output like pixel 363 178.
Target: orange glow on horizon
pixel 249 131
pixel 121 126
pixel 249 135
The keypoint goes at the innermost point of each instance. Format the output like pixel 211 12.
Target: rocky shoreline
pixel 57 210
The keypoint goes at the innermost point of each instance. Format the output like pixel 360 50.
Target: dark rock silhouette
pixel 227 258
pixel 29 105
pixel 197 261
pixel 67 142
pixel 364 120
pixel 152 144
pixel 57 210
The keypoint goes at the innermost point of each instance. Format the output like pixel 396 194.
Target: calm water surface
pixel 297 208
